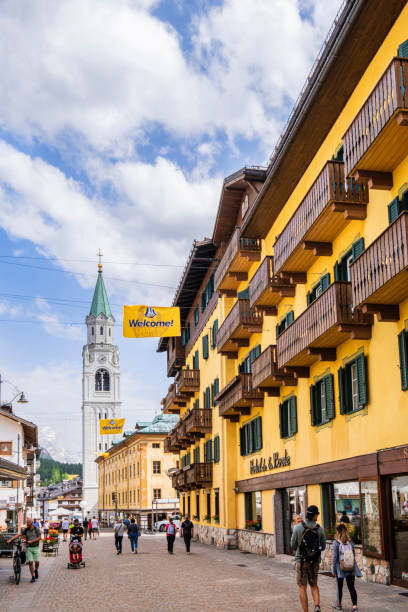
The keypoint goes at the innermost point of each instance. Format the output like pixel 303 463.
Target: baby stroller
pixel 75 554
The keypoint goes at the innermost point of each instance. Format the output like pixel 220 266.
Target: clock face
pixel 102 359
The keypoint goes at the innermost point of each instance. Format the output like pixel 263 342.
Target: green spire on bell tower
pixel 100 302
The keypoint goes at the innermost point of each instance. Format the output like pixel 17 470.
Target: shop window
pixel 399 496
pixel 208 451
pixel 196 362
pixel 245 366
pixel 156 467
pixel 185 334
pixel 214 334
pixel 285 322
pixel 370 517
pixel 216 449
pixel 207 398
pixel 196 316
pixel 318 289
pixel 215 389
pixel 205 347
pixel 251 436
pixel 403 356
pixel 288 417
pixel 253 510
pixel 353 389
pixel 197 454
pixel 342 267
pixel 322 400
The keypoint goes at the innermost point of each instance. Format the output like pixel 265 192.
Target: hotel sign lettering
pixel 272 463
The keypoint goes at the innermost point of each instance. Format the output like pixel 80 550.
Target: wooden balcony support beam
pixel 271 391
pixel 297 371
pixel 323 354
pixel 240 342
pixel 228 292
pixel 239 276
pixel 319 248
pixel 269 311
pixel 244 410
pixel 384 312
pixel 230 354
pixel 357 332
pixel 402 118
pixel 352 212
pixel 374 179
pixel 233 418
pixel 294 278
pixel 288 381
pixel 251 255
pixel 284 290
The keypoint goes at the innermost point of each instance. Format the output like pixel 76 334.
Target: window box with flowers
pixel 196 517
pixel 207 518
pixel 253 525
pixel 216 518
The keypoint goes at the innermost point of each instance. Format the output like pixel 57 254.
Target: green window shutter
pixel 196 361
pixel 216 389
pixel 204 300
pixel 212 394
pixel 308 298
pixel 282 422
pixel 313 404
pixel 196 316
pixel 362 380
pixel 216 449
pixel 197 455
pixel 209 442
pixel 243 295
pixel 293 416
pixel 329 393
pixel 208 397
pixel 188 458
pixel 258 433
pixel 403 49
pixel 214 333
pixel 197 404
pixel 342 390
pixel 277 330
pixel 402 345
pixel 337 271
pixel 325 282
pixel 205 346
pixel 393 210
pixel 357 248
pixel 290 317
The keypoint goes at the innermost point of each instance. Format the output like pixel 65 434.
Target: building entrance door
pixel 294 502
pixel 399 564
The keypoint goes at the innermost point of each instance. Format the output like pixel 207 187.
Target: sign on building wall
pixel 111 426
pixel 150 321
pixel 6 448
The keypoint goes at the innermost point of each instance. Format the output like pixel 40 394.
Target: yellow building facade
pixel 134 473
pixel 291 375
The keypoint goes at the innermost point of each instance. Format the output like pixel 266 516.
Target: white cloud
pixel 52 323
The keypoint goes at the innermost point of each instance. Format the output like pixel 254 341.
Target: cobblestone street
pixel 208 579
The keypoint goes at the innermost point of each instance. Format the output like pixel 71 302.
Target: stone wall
pixel 373 570
pixel 216 536
pixel 256 542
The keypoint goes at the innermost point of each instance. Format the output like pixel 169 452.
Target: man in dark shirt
pixel 85 524
pixel 77 530
pixel 32 537
pixel 187 532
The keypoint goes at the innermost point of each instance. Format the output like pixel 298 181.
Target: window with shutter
pixel 288 417
pixel 188 458
pixel 258 433
pixel 403 355
pixel 285 322
pixel 196 316
pixel 313 416
pixel 214 333
pixel 329 385
pixel 282 428
pixel 244 295
pixel 205 346
pixel 216 390
pixel 403 49
pixel 216 449
pixel 197 455
pixel 361 366
pixel 292 416
pixel 209 451
pixel 196 362
pixel 197 404
pixel 318 289
pixel 393 210
pixel 357 248
pixel 353 388
pixel 242 441
pixel 208 397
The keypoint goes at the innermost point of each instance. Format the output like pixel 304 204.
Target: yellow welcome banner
pixel 151 321
pixel 111 426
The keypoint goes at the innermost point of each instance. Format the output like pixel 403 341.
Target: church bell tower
pixel 100 388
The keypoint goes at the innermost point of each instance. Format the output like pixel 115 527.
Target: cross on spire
pixel 100 254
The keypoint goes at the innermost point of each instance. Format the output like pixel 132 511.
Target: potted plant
pixel 216 518
pixel 207 518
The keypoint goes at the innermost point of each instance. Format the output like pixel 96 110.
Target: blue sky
pixel 119 120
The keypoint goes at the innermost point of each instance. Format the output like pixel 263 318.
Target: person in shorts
pixel 32 535
pixel 95 528
pixel 65 527
pixel 307 571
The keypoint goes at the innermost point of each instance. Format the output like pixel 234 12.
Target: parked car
pixel 161 525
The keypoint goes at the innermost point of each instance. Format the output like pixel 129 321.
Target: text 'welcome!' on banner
pixel 151 321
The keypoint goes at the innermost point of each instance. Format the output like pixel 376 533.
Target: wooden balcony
pixel 198 423
pixel 170 444
pixel 194 476
pixel 328 322
pixel 176 356
pixel 240 323
pixel 377 140
pixel 330 204
pixel 266 289
pixel 235 263
pixel 379 275
pixel 266 375
pixel 238 397
pixel 174 400
pixel 188 381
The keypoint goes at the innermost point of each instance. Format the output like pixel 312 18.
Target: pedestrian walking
pixel 119 530
pixel 94 527
pixel 36 523
pixel 344 517
pixel 85 525
pixel 187 532
pixel 133 534
pixel 46 528
pixel 171 531
pixel 32 535
pixel 344 566
pixel 308 541
pixel 65 527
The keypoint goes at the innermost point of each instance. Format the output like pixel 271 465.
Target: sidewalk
pixel 207 580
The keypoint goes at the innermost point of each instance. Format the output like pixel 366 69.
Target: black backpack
pixel 309 547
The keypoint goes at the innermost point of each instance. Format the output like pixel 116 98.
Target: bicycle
pixel 17 562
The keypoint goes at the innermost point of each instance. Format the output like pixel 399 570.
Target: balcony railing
pixel 194 476
pixel 377 139
pixel 176 356
pixel 171 444
pixel 240 323
pixel 266 376
pixel 174 400
pixel 379 275
pixel 266 289
pixel 198 422
pixel 330 204
pixel 323 326
pixel 238 397
pixel 236 261
pixel 188 381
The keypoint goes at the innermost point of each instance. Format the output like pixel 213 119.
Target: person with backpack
pixel 133 534
pixel 171 531
pixel 308 541
pixel 187 532
pixel 344 566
